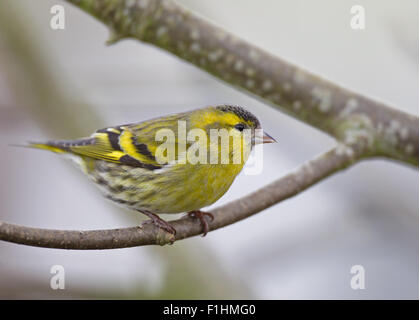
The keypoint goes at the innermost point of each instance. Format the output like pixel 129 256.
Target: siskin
pixel 142 167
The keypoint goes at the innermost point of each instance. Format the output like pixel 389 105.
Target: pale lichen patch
pixel 351 106
pixel 267 85
pixel 215 55
pixel 324 97
pixel 394 131
pixel 239 65
pixel 250 72
pixel 353 136
pixel 344 150
pixel 394 125
pixel 161 31
pixel 195 47
pixel 358 129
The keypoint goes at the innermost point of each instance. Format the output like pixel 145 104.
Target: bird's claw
pixel 201 216
pixel 160 223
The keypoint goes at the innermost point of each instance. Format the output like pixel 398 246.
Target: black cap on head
pixel 241 112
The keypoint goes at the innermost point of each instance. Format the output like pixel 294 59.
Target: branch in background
pixel 284 188
pixel 345 115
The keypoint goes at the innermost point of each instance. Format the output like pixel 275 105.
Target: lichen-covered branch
pixel 343 114
pixel 284 188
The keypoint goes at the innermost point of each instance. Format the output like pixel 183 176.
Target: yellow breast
pixel 181 188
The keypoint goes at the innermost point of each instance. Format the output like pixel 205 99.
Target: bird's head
pixel 237 121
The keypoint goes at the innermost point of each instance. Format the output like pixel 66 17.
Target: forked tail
pixel 57 146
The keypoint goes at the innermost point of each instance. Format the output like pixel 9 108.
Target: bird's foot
pixel 201 216
pixel 158 222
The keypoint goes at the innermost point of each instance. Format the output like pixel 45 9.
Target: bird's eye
pixel 239 126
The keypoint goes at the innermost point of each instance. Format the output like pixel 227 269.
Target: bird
pixel 169 164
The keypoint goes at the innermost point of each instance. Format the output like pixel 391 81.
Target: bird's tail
pixel 52 146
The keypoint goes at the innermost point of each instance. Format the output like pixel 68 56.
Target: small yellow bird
pixel 170 164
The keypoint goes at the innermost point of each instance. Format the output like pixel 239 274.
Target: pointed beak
pixel 267 138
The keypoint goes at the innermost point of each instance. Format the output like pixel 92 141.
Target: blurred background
pixel 67 83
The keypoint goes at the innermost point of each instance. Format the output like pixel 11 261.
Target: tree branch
pixel 345 115
pixel 186 227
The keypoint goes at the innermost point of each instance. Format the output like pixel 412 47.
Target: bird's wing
pixel 133 144
pixel 113 144
pixel 144 141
